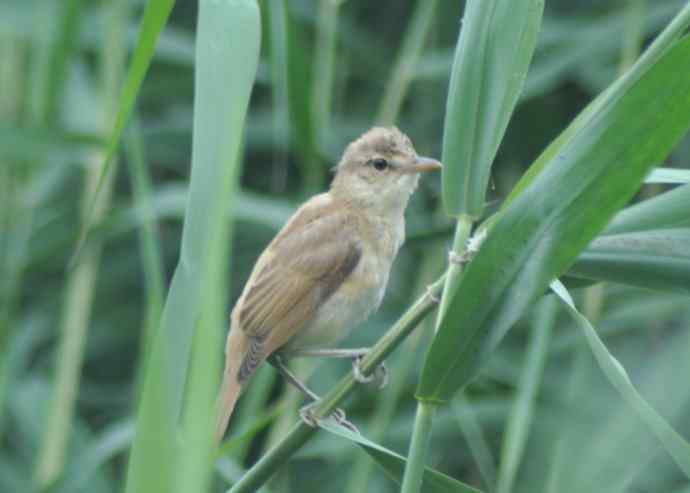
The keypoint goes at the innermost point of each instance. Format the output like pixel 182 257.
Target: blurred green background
pixel 328 72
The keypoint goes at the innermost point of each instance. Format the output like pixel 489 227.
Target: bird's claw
pixel 381 373
pixel 357 371
pixel 338 415
pixel 307 415
pixel 344 422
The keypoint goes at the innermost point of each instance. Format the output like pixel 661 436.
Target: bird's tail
pixel 230 387
pixel 229 393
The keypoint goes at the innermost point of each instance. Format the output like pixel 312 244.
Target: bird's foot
pixel 345 423
pixel 380 374
pixel 308 416
pixel 306 413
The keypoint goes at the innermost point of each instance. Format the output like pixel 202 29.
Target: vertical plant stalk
pixel 324 70
pixel 521 415
pixel 14 230
pixel 576 386
pixel 462 233
pixel 403 71
pixel 301 432
pixel 633 36
pixel 81 281
pixel 479 446
pixel 44 88
pixel 182 372
pixel 149 243
pixel 277 18
pixel 421 433
pixel 421 437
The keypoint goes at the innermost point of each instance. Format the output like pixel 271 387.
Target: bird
pixel 326 270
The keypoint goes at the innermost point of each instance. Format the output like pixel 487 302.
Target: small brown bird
pixel 327 269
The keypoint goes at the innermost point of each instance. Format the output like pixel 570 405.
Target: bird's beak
pixel 424 164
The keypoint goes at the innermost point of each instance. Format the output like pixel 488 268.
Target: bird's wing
pixel 303 266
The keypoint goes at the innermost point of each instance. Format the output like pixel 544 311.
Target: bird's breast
pixel 350 305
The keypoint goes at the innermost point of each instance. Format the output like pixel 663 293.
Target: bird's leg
pixel 282 368
pixel 381 372
pixel 306 412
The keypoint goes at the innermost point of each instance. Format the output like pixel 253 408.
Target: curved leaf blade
pixel 543 229
pixel 182 369
pixel 493 53
pixel 677 447
pixel 394 464
pixel 155 17
pixel 656 259
pixel 668 175
pixel 675 30
pixel 667 210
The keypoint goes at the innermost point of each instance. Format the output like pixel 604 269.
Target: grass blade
pixel 666 210
pixel 521 416
pixel 540 233
pixel 394 464
pixel 479 446
pixel 156 15
pixel 404 70
pixel 653 259
pixel 493 53
pixel 81 281
pixel 668 175
pixel 668 39
pixel 227 52
pixel 675 445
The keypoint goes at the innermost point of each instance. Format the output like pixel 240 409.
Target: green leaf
pixel 394 464
pixel 406 61
pixel 667 210
pixel 657 259
pixel 664 42
pixel 182 371
pixel 156 15
pixel 668 175
pixel 543 229
pixel 113 441
pixel 522 414
pixel 677 447
pixel 492 55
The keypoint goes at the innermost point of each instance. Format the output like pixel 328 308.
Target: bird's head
pixel 380 170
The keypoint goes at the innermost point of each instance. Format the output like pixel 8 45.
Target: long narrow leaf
pixel 667 210
pixel 668 175
pixel 227 53
pixel 543 229
pixel 394 464
pixel 676 29
pixel 521 416
pixel 657 259
pixel 673 443
pixel 155 17
pixel 493 53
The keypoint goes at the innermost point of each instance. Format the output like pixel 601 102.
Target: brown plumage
pixel 327 269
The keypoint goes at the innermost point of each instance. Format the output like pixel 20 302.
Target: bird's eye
pixel 380 164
